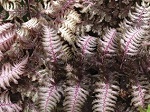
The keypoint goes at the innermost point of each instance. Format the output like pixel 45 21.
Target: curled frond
pixel 6 105
pixel 49 96
pixel 106 97
pixel 87 44
pixel 75 98
pixel 109 42
pixel 11 73
pixel 51 43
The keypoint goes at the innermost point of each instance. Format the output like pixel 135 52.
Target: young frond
pixel 87 44
pixel 6 105
pixel 75 98
pixel 131 41
pixel 11 73
pixel 106 97
pixel 52 43
pixel 49 96
pixel 109 42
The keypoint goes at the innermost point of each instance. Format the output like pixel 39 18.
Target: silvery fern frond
pixel 137 18
pixel 131 41
pixel 106 96
pixel 140 91
pixel 33 23
pixel 87 44
pixel 7 36
pixel 6 105
pixel 11 73
pixel 75 98
pixel 49 96
pixel 141 15
pixel 109 42
pixel 52 43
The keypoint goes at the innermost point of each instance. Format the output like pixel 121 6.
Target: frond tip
pixel 11 73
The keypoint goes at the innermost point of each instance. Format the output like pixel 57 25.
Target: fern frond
pixel 140 92
pixel 106 97
pixel 139 17
pixel 7 36
pixel 14 8
pixel 131 41
pixel 109 42
pixel 75 98
pixel 51 43
pixel 87 44
pixel 5 27
pixel 33 23
pixel 6 105
pixel 67 35
pixel 49 96
pixel 11 73
pixel 67 52
pixel 73 15
pixel 1 55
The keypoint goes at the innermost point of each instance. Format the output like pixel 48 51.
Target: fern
pixel 109 43
pixel 87 44
pixel 132 40
pixel 33 23
pixel 49 96
pixel 6 105
pixel 11 73
pixel 140 91
pixel 106 96
pixel 51 43
pixel 7 36
pixel 75 98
